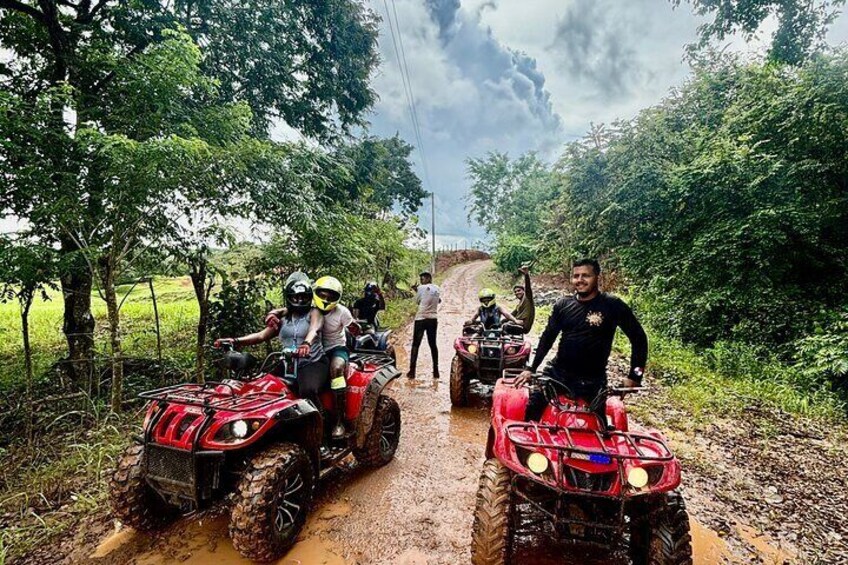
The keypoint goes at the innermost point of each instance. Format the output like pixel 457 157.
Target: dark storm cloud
pixel 594 45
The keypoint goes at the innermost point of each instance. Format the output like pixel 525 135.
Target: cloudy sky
pixel 520 75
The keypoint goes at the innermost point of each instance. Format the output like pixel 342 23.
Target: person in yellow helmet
pixel 327 292
pixel 490 313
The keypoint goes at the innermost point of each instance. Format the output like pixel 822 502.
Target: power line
pixel 400 55
pixel 411 94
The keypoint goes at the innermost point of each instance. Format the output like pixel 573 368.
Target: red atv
pixel 610 486
pixel 254 442
pixel 484 354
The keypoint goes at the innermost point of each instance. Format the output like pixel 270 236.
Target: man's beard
pixel 585 293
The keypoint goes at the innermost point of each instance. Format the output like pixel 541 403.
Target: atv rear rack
pixel 377 358
pixel 204 396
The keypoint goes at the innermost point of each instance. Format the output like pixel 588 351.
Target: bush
pixel 512 251
pixel 238 309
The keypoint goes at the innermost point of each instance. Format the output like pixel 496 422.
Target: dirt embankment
pixel 418 509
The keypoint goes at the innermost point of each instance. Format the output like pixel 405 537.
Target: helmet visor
pixel 300 299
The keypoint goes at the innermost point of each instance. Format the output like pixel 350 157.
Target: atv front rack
pixel 606 446
pixel 205 396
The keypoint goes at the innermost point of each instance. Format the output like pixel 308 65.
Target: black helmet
pixel 298 292
pixel 371 287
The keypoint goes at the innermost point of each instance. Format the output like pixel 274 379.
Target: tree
pixel 305 62
pixel 507 198
pixel 801 24
pixel 190 154
pixel 379 176
pixel 26 270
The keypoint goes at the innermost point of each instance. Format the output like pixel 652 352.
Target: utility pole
pixel 433 233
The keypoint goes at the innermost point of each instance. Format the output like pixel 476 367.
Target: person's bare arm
pixel 316 320
pixel 266 334
pixel 508 316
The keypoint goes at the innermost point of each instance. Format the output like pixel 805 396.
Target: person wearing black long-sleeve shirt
pixel 586 323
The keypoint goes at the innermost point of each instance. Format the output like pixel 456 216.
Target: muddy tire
pixel 458 386
pixel 271 501
pixel 133 502
pixel 390 351
pixel 661 537
pixel 382 440
pixel 491 534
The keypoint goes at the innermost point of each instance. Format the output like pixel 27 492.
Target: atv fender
pixel 369 403
pixel 301 423
pixel 383 340
pixel 508 402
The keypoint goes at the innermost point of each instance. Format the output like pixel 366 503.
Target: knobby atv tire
pixel 133 502
pixel 375 452
pixel 662 537
pixel 491 534
pixel 252 521
pixel 458 386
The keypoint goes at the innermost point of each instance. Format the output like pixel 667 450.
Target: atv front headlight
pixel 472 349
pixel 239 429
pixel 537 463
pixel 637 477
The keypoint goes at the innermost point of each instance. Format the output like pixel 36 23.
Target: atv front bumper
pixel 181 476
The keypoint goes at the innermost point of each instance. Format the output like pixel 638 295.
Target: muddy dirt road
pixel 417 510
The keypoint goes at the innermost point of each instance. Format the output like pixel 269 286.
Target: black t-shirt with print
pixel 586 332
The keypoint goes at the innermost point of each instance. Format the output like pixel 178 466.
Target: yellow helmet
pixel 487 297
pixel 327 292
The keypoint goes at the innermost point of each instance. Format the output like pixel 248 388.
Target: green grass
pixel 47 489
pixel 178 314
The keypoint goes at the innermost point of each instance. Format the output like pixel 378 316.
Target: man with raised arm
pixel 525 311
pixel 586 323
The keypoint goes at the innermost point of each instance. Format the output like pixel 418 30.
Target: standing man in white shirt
pixel 428 298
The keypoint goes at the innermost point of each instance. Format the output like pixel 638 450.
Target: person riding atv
pixel 586 323
pixel 490 313
pixel 299 328
pixel 335 318
pixel 371 302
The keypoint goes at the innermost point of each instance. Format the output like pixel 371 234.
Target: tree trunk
pixel 202 289
pixel 26 303
pixel 78 323
pixel 108 278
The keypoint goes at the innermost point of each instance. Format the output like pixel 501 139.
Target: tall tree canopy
pixel 83 70
pixel 801 24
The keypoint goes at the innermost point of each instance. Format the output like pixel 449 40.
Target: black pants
pixel 587 389
pixel 421 326
pixel 312 378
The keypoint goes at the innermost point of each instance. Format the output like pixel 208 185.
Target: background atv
pixel 483 354
pixel 614 488
pixel 254 440
pixel 363 337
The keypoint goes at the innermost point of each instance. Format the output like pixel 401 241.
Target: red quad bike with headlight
pixel 484 354
pixel 614 486
pixel 254 442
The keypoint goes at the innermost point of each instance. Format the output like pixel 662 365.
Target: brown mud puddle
pixel 418 509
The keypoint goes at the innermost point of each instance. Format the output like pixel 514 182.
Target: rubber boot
pixel 413 358
pixel 340 406
pixel 436 364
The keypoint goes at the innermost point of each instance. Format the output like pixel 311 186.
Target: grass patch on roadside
pixel 724 381
pixel 47 488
